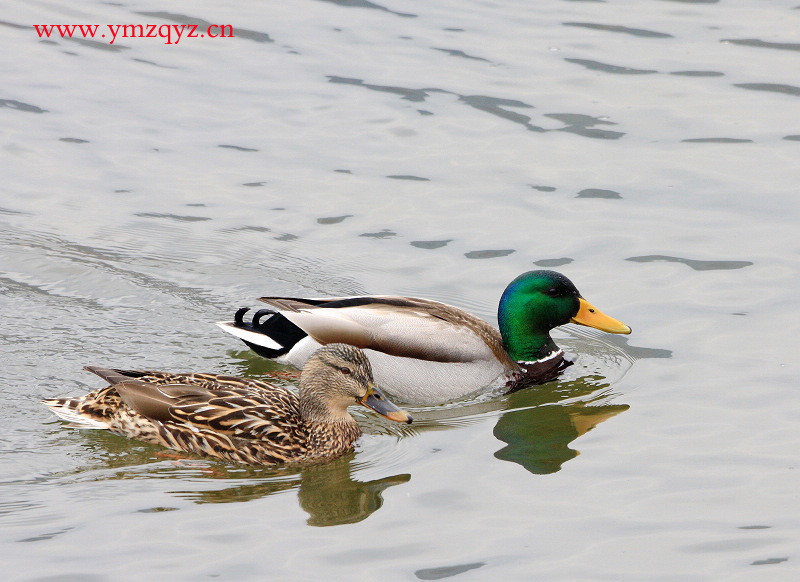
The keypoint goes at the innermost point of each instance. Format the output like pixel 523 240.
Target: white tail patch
pixel 253 337
pixel 64 412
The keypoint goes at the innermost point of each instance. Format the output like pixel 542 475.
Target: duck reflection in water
pixel 327 492
pixel 538 432
pixel 541 421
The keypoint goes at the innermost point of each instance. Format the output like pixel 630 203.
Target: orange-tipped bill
pixel 375 400
pixel 590 316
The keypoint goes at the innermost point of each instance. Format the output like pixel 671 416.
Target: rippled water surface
pixel 649 150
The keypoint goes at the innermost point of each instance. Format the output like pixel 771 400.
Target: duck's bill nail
pixel 375 400
pixel 590 316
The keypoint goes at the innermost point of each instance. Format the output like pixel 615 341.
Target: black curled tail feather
pixel 276 327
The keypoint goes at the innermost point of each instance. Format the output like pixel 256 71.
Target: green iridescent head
pixel 538 301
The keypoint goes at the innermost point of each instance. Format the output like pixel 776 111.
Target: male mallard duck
pixel 237 419
pixel 426 352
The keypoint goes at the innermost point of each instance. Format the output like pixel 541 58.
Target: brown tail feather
pixel 110 376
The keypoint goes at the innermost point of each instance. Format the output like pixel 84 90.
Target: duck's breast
pixel 422 382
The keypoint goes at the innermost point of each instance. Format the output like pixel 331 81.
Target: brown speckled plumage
pixel 236 419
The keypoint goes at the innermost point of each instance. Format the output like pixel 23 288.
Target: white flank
pixel 251 336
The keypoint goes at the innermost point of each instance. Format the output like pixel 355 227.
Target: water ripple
pixel 333 219
pixel 446 571
pixel 462 54
pixel 100 46
pixel 430 244
pixel 20 106
pixel 623 29
pixel 204 24
pixel 771 87
pixel 171 216
pixel 598 193
pixel 367 4
pixel 716 140
pixel 606 68
pixel 15 25
pixel 692 73
pixel 584 125
pixel 550 263
pixel 697 265
pixel 408 177
pixel 754 42
pixel 488 254
pixel 576 123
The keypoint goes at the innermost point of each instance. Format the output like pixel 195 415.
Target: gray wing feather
pixel 398 326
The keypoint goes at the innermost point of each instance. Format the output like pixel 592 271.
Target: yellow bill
pixel 590 316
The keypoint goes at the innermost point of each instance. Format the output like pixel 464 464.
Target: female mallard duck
pixel 237 419
pixel 426 352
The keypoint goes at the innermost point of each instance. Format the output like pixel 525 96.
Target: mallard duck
pixel 426 352
pixel 237 419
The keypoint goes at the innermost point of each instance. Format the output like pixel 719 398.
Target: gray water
pixel 648 150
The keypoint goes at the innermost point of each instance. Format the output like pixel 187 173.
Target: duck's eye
pixel 345 370
pixel 552 292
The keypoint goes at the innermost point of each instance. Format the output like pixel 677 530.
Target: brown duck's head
pixel 338 375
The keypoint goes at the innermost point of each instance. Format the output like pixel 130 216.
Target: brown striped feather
pixel 236 419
